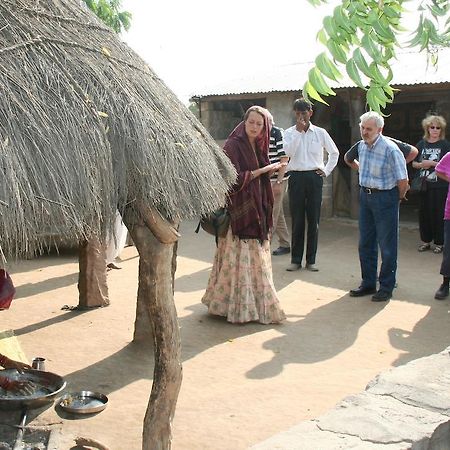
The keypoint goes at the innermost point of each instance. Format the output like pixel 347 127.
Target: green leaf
pixel 375 74
pixel 372 101
pixel 385 33
pixel 361 62
pixel 337 52
pixel 330 28
pixel 353 73
pixel 370 47
pixel 372 17
pixel 327 67
pixel 322 37
pixel 309 91
pixel 340 19
pixel 319 83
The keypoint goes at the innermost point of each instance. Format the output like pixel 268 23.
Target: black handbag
pixel 418 184
pixel 215 223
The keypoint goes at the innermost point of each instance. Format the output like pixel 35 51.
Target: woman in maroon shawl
pixel 240 286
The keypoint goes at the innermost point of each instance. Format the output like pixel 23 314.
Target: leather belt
pixel 373 190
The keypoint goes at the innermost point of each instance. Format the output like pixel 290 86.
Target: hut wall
pixel 341 120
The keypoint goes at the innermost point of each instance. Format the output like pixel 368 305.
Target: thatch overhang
pixel 86 127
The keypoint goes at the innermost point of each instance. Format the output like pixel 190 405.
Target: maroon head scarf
pixel 251 200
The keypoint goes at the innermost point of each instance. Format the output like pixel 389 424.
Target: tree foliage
pixel 109 12
pixel 364 35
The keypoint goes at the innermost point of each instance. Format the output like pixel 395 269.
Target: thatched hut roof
pixel 86 126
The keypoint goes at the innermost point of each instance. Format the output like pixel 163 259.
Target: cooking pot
pixel 49 385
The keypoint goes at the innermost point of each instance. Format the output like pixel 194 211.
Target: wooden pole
pixel 158 308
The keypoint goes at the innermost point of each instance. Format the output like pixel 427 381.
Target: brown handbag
pixel 7 289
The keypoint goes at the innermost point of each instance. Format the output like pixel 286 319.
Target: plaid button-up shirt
pixel 381 165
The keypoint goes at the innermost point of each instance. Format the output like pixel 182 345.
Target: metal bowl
pixel 83 402
pixel 50 385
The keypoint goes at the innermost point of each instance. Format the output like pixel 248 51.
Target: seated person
pixel 23 387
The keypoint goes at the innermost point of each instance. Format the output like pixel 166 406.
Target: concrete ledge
pixel 407 407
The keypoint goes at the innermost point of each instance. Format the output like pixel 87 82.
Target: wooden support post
pixel 92 285
pixel 157 307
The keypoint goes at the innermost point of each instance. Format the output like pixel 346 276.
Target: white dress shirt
pixel 305 149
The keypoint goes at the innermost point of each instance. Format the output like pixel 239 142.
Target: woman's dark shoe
pixel 361 291
pixel 442 292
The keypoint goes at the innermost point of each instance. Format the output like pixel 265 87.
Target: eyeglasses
pixel 432 127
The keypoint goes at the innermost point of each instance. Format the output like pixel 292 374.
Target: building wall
pixel 341 120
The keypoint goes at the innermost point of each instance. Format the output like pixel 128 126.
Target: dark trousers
pixel 305 201
pixel 431 215
pixel 378 227
pixel 445 266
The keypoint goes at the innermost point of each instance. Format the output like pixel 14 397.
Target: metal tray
pixel 49 385
pixel 83 402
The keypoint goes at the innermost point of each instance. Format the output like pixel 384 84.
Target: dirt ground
pixel 242 383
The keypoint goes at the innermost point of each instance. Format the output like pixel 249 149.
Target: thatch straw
pixel 86 127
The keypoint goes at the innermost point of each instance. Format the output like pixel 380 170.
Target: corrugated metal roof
pixel 410 68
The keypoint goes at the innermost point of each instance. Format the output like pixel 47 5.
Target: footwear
pixel 281 251
pixel 438 248
pixel 382 296
pixel 424 247
pixel 361 291
pixel 293 267
pixel 442 292
pixel 312 268
pixel 113 266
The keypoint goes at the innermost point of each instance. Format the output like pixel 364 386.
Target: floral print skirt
pixel 240 286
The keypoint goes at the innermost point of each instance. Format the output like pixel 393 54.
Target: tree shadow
pixel 193 282
pixel 48 322
pixel 135 361
pixel 51 284
pixel 320 335
pixel 131 363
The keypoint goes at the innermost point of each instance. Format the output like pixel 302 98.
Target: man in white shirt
pixel 305 143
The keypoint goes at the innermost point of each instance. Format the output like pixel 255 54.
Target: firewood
pixel 88 442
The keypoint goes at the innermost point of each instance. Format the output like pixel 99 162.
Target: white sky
pixel 191 44
pixel 195 43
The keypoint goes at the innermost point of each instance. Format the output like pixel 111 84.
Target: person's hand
pixel 271 168
pixel 18 365
pixel 404 198
pixel 300 125
pixel 427 163
pixel 24 387
pixel 321 173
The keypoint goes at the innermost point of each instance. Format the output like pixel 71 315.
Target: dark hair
pixel 302 105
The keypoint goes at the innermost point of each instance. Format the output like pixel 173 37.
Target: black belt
pixel 373 190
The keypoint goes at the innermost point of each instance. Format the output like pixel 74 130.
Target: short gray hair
pixel 372 115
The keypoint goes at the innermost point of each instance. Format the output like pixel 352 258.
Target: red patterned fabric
pixel 7 289
pixel 251 199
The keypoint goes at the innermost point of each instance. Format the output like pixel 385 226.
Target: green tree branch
pixel 362 38
pixel 109 12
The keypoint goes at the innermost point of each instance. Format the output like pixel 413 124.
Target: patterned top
pixel 381 165
pixel 276 149
pixel 443 166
